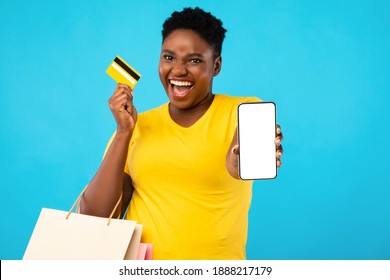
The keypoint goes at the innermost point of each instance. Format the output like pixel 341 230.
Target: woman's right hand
pixel 121 106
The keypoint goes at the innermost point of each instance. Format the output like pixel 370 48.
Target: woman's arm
pixel 110 181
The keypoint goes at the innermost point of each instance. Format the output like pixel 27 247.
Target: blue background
pixel 324 63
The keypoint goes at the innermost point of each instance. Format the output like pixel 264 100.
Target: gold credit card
pixel 123 73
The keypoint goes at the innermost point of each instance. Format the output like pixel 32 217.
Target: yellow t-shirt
pixel 189 205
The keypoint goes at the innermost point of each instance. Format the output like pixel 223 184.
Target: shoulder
pixel 235 99
pixel 229 101
pixel 225 106
pixel 152 113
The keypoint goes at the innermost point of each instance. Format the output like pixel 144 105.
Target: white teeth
pixel 181 83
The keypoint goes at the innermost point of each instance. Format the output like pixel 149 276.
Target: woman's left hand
pixel 234 151
pixel 278 145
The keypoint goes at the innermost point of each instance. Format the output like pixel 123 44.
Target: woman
pixel 176 165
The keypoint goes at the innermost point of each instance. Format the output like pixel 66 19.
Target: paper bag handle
pixel 77 202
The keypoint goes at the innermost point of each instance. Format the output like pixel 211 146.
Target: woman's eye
pixel 195 60
pixel 168 57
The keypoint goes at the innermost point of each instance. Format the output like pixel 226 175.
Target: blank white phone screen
pixel 256 136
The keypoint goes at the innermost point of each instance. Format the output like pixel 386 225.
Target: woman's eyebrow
pixel 167 51
pixel 194 54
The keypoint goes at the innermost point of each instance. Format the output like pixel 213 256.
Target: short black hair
pixel 204 23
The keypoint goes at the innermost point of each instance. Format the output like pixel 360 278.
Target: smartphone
pixel 256 136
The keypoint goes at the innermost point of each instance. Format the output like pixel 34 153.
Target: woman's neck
pixel 187 117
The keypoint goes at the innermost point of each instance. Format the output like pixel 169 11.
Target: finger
pixel 120 98
pixel 278 140
pixel 130 109
pixel 236 150
pixel 126 89
pixel 278 129
pixel 278 133
pixel 133 113
pixel 120 102
pixel 119 89
pixel 122 86
pixel 278 163
pixel 279 152
pixel 123 89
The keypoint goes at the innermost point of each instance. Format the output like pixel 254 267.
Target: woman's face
pixel 187 67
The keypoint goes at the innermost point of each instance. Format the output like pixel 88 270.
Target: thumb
pixel 236 150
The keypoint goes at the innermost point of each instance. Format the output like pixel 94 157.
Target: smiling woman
pixel 187 67
pixel 175 164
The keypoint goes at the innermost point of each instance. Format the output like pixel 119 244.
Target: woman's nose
pixel 179 69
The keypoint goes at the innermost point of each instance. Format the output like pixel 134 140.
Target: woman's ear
pixel 217 65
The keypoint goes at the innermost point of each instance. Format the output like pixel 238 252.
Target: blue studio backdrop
pixel 324 63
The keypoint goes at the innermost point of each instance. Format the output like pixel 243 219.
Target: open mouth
pixel 180 88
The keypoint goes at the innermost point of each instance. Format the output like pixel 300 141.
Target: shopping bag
pixel 132 251
pixel 61 235
pixel 145 251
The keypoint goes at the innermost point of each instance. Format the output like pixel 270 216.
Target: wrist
pixel 123 133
